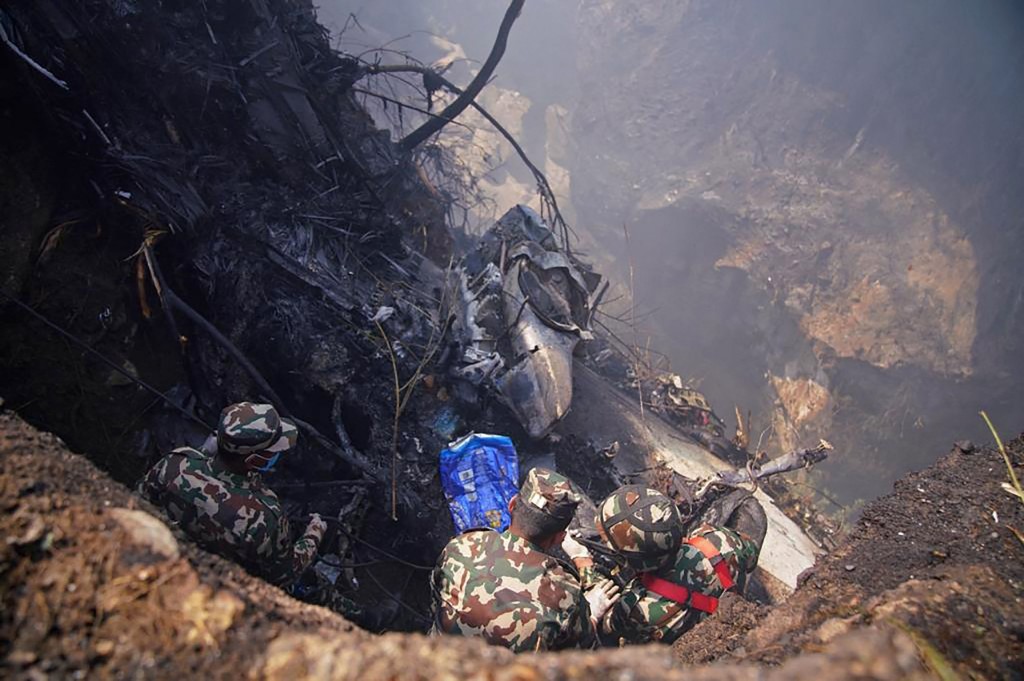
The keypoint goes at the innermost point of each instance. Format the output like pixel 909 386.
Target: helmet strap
pixel 261 462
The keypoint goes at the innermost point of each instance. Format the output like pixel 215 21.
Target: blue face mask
pixel 269 466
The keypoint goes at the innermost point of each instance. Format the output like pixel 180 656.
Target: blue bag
pixel 480 475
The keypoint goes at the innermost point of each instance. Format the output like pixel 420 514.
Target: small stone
pixel 22 658
pixel 103 648
pixel 849 568
pixel 119 378
pixel 36 540
pixel 965 447
pixel 147 534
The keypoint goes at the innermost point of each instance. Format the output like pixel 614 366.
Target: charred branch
pixel 465 99
pixel 432 77
pixel 170 298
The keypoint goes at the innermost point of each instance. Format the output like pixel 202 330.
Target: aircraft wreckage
pixel 526 310
pixel 243 230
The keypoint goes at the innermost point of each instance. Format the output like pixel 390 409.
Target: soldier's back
pixel 642 615
pixel 228 512
pixel 506 590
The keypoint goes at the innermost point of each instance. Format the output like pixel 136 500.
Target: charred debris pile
pixel 191 191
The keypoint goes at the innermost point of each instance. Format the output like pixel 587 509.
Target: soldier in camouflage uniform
pixel 675 587
pixel 219 498
pixel 505 588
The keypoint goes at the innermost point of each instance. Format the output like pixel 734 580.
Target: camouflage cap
pixel 248 427
pixel 550 493
pixel 641 524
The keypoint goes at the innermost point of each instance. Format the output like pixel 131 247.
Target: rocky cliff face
pixel 822 207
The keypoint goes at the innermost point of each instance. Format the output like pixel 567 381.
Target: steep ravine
pixel 823 210
pixel 930 581
pixel 91 580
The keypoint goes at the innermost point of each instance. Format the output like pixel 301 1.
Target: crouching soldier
pixel 507 589
pixel 219 498
pixel 679 580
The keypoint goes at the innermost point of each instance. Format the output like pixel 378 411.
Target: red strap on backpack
pixel 719 564
pixel 686 597
pixel 678 593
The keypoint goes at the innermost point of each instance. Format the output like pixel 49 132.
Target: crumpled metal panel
pixel 538 388
pixel 526 304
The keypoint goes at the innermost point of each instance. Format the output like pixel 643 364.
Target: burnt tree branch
pixel 434 77
pixel 170 298
pixel 431 126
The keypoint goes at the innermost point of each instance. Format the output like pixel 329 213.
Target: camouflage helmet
pixel 550 493
pixel 641 524
pixel 248 428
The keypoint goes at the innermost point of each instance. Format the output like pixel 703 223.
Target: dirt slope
pixel 91 585
pixel 809 180
pixel 937 558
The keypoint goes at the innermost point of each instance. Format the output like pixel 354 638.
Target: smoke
pixel 823 197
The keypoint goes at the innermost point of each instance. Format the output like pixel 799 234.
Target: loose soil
pixel 939 557
pixel 927 582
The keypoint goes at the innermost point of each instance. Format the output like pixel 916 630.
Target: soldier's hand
pixel 601 598
pixel 316 524
pixel 573 548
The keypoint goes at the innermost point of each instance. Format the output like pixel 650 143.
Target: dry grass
pixel 1013 487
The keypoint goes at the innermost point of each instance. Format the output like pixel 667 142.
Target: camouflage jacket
pixel 503 588
pixel 233 514
pixel 641 616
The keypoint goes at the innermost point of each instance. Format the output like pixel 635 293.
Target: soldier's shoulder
pixel 562 574
pixel 533 563
pixel 690 559
pixel 184 457
pixel 474 535
pixel 188 453
pixel 722 538
pixel 471 540
pixel 189 460
pixel 172 464
pixel 687 558
pixel 184 467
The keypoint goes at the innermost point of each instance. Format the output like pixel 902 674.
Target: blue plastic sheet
pixel 480 475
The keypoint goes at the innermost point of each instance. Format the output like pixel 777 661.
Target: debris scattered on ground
pixel 526 304
pixel 244 229
pixel 277 244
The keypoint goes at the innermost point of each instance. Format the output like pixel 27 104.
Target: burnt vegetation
pixel 202 211
pixel 196 195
